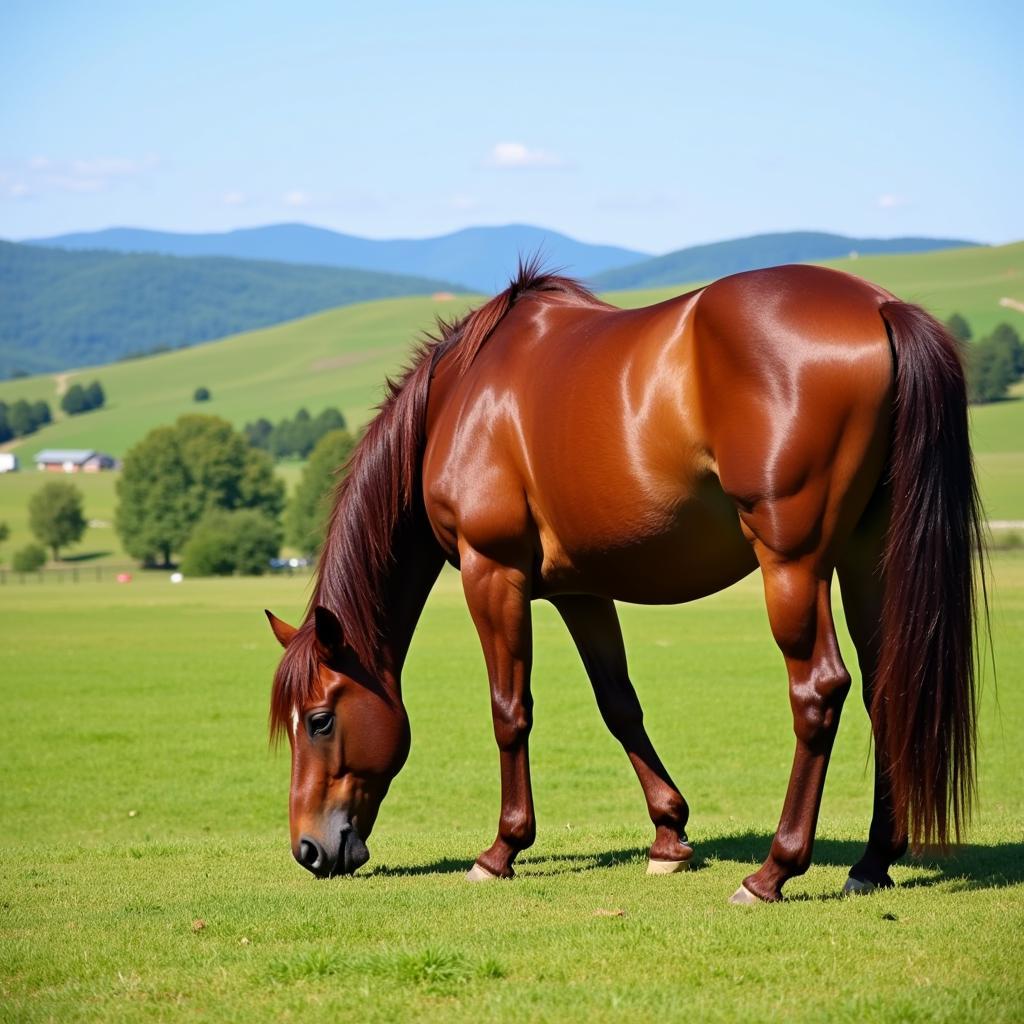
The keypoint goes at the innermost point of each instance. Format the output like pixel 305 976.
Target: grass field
pixel 140 797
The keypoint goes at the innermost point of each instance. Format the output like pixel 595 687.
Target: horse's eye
pixel 320 724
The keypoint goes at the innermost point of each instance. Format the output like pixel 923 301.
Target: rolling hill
pixel 340 357
pixel 482 258
pixel 706 262
pixel 61 309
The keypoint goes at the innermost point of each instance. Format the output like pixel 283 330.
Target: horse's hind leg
pixel 862 587
pixel 800 613
pixel 594 626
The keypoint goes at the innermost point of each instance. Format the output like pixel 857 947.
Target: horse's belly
pixel 690 552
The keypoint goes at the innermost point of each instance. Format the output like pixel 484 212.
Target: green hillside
pixel 342 356
pixel 60 309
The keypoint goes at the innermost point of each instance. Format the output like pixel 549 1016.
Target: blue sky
pixel 653 125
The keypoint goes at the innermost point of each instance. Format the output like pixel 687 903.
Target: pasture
pixel 147 876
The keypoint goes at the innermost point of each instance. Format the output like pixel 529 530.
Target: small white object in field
pixel 176 577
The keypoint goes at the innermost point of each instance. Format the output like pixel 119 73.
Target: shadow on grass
pixel 84 556
pixel 971 866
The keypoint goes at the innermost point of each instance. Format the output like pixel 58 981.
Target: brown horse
pixel 797 420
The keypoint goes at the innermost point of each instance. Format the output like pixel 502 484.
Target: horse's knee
pixel 513 721
pixel 817 702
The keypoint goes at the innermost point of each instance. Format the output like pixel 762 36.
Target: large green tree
pixel 56 515
pixel 309 504
pixel 176 474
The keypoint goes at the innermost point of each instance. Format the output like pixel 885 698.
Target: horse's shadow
pixel 970 866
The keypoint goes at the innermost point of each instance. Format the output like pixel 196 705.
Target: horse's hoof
pixel 855 887
pixel 743 897
pixel 478 873
pixel 666 867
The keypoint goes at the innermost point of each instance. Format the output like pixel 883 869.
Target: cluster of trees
pixel 994 362
pixel 199 491
pixel 295 437
pixel 22 417
pixel 199 472
pixel 83 399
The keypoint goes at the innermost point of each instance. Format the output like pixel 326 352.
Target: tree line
pixel 293 437
pixel 22 417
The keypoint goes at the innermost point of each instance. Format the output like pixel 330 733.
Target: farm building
pixel 74 460
pixel 8 462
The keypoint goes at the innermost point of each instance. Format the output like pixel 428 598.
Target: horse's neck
pixel 417 563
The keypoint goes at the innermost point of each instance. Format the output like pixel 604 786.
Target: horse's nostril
pixel 310 855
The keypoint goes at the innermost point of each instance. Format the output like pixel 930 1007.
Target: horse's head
pixel 349 738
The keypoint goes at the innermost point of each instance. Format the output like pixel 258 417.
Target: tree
pixel 1007 339
pixel 959 328
pixel 21 419
pixel 94 396
pixel 201 395
pixel 55 515
pixel 41 413
pixel 75 400
pixel 29 558
pixel 176 474
pixel 226 542
pixel 990 371
pixel 5 428
pixel 308 506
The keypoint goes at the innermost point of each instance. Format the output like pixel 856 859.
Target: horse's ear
pixel 282 630
pixel 329 635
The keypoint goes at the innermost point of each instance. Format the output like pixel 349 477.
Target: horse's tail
pixel 923 706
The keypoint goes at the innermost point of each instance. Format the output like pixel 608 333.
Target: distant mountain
pixel 61 309
pixel 704 262
pixel 482 258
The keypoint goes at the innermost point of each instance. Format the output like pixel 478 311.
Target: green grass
pixel 146 872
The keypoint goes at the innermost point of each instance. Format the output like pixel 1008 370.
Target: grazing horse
pixel 797 420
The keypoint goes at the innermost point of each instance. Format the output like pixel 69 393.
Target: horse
pixel 796 420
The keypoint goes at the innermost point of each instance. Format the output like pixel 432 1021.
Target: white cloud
pixel 889 201
pixel 518 154
pixel 297 198
pixel 41 174
pixel 19 190
pixel 234 199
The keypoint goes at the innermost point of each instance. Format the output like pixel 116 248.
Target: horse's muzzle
pixel 349 853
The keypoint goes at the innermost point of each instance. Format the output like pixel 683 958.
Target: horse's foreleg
pixel 862 589
pixel 800 612
pixel 594 626
pixel 499 603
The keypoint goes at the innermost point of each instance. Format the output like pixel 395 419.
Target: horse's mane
pixel 374 501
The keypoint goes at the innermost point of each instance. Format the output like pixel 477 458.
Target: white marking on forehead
pixel 295 722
